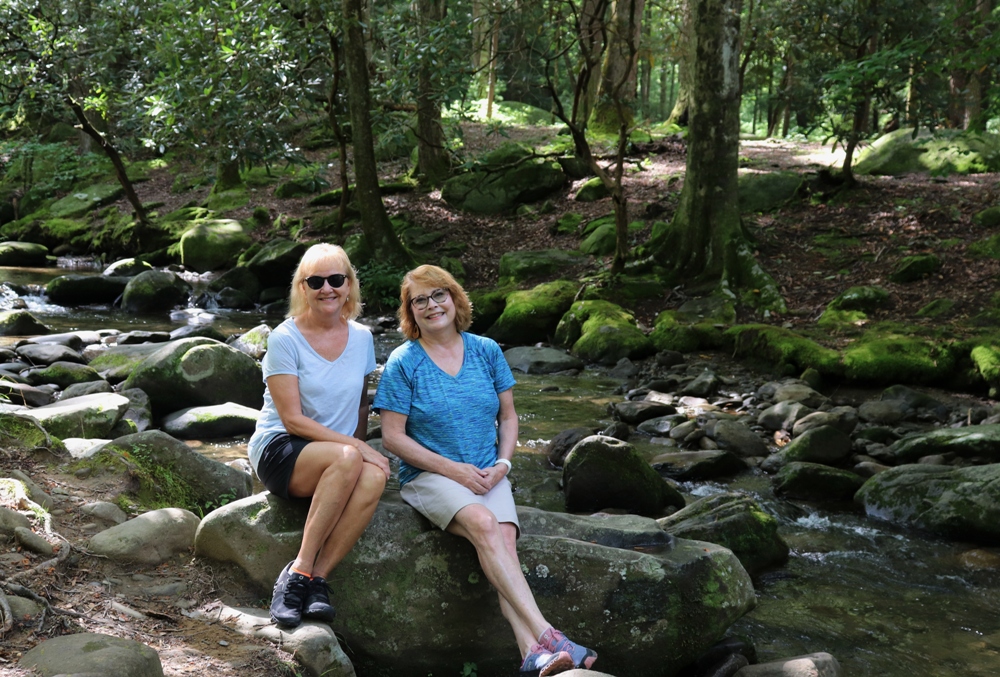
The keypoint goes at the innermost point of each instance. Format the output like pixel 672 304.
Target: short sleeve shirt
pixel 329 391
pixel 455 416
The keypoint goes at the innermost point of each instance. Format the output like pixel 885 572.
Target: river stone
pixel 20 323
pixel 22 393
pixel 799 392
pixel 40 354
pixel 139 411
pixel 614 531
pixel 661 425
pixel 635 413
pixel 127 268
pixel 843 418
pixel 23 610
pixel 913 268
pixel 519 266
pixel 11 520
pixel 602 472
pixel 151 538
pixel 20 430
pixel 109 512
pixel 195 372
pixel 498 188
pixel 536 360
pixel 93 654
pixel 697 465
pixel 62 374
pixel 34 491
pixel 154 291
pixel 602 332
pixel 81 290
pixel 737 438
pixel 253 342
pixel 914 399
pixel 980 441
pixel 134 338
pixel 816 482
pixel 955 503
pixel 193 330
pixel 735 521
pixel 233 298
pixel 117 362
pixel 704 385
pixel 220 420
pixel 561 444
pixel 782 416
pixel 313 644
pixel 29 540
pixel 237 278
pixel 412 599
pixel 85 416
pixel 213 244
pixel 23 254
pixel 811 665
pixel 80 448
pixel 827 445
pixel 205 479
pixel 532 315
pixel 881 412
pixel 89 388
pixel 275 263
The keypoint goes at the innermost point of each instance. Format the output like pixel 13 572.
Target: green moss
pixel 600 331
pixel 764 192
pixel 781 348
pixel 987 249
pixel 912 268
pixel 531 316
pixel 487 307
pixel 860 298
pixel 988 218
pixel 669 334
pixel 896 358
pixel 228 200
pixel 937 308
pixel 148 485
pixel 836 320
pixel 987 361
pixel 568 223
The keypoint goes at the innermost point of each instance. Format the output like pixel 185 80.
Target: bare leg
pixel 480 526
pixel 521 631
pixel 328 473
pixel 353 520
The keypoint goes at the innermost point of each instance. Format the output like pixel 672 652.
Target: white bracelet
pixel 505 462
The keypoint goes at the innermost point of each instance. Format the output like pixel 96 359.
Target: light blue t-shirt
pixel 455 416
pixel 329 392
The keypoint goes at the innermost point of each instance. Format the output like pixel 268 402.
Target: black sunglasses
pixel 316 281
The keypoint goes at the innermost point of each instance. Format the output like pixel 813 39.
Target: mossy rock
pixel 715 309
pixel 26 433
pixel 227 200
pixel 154 291
pixel 22 323
pixel 896 358
pixel 816 482
pixel 84 200
pixel 275 263
pixel 487 307
pixel 574 167
pixel 567 223
pixel 78 290
pixel 836 320
pixel 532 316
pixel 986 359
pixel 296 188
pixel 766 192
pixel 988 218
pixel 987 249
pixel 211 245
pixel 670 334
pixel 626 288
pixel 866 299
pixel 782 349
pixel 520 266
pixel 947 152
pixel 592 191
pixel 237 278
pixel 601 241
pixel 509 177
pixel 937 308
pixel 912 268
pixel 506 154
pixel 23 254
pixel 602 332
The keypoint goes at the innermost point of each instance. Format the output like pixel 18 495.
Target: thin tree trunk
pixel 433 163
pixel 679 115
pixel 494 55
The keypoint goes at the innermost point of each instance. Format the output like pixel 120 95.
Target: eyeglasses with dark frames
pixel 438 296
pixel 316 281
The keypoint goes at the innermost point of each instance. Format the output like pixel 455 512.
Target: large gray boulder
pixel 89 653
pixel 62 374
pixel 20 323
pixel 151 538
pixel 956 503
pixel 509 176
pixel 783 415
pixel 213 244
pixel 275 263
pixel 86 416
pixel 816 482
pixel 196 372
pixel 826 444
pixel 413 600
pixel 735 521
pixel 220 420
pixel 22 254
pixel 602 472
pixel 154 291
pixel 79 290
pixel 47 353
pixel 115 363
pixel 538 360
pixel 152 453
pixel 737 438
pixel 698 465
pixel 979 441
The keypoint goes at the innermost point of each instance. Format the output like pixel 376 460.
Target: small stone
pixel 33 542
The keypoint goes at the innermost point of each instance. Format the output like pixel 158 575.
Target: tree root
pixel 6 615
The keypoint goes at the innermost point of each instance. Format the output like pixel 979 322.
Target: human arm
pixel 396 440
pixel 284 389
pixel 506 435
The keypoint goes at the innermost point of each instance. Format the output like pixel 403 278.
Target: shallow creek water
pixel 886 603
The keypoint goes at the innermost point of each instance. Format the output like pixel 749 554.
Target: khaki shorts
pixel 439 499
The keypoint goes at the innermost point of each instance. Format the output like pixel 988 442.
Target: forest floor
pixel 873 226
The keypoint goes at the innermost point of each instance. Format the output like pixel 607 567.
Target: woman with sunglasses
pixel 447 409
pixel 309 440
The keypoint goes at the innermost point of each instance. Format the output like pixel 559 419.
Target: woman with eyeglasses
pixel 447 409
pixel 309 440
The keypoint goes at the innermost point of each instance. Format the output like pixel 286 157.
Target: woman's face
pixel 327 299
pixel 433 309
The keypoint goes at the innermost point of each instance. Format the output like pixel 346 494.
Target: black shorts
pixel 277 462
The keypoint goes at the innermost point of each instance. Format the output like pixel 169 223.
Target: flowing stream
pixel 886 603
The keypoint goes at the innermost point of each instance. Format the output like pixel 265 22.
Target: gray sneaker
pixel 290 591
pixel 317 606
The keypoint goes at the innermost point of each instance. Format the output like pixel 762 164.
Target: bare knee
pixel 346 459
pixel 480 525
pixel 371 482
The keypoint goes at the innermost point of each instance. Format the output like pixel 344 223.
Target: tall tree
pixel 433 162
pixel 705 242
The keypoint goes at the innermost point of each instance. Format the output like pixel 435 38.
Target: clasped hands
pixel 477 480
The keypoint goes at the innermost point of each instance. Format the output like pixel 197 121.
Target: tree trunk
pixel 379 235
pixel 433 163
pixel 861 112
pixel 685 67
pixel 705 241
pixel 591 36
pixel 494 56
pixel 619 73
pixel 661 109
pixel 334 111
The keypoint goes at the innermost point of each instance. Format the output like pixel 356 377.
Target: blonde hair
pixel 432 276
pixel 322 256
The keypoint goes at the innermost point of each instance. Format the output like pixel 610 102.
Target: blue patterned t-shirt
pixel 455 416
